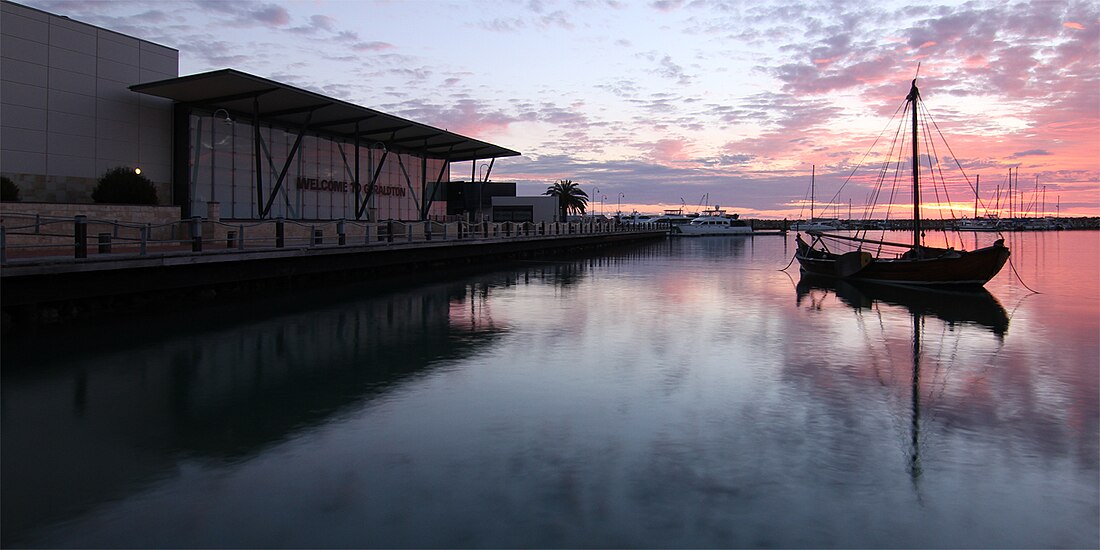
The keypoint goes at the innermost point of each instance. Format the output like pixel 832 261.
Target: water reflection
pixel 970 307
pixel 100 418
pixel 681 394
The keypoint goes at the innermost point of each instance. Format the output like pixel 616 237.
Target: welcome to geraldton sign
pixel 336 186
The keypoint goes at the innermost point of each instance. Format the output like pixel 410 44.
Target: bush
pixel 9 192
pixel 122 186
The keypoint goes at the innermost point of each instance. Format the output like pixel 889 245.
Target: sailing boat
pixel 815 224
pixel 917 264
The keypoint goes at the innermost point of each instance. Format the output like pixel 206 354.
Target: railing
pixel 31 236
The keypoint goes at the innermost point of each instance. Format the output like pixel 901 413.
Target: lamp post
pixel 596 191
pixel 620 211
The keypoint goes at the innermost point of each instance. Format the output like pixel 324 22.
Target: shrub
pixel 9 192
pixel 122 186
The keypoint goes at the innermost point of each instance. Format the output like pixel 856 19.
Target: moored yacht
pixel 714 222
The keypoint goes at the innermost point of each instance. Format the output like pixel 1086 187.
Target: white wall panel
pixel 30 51
pixel 66 166
pixel 118 49
pixel 67 102
pixel 70 145
pixel 68 81
pixel 23 162
pixel 28 118
pixel 23 72
pixel 79 62
pixel 74 37
pixel 72 124
pixel 19 139
pixel 24 23
pixel 16 93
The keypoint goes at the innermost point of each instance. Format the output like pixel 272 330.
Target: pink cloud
pixel 371 46
pixel 1073 25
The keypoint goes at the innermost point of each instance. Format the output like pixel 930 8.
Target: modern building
pixel 77 100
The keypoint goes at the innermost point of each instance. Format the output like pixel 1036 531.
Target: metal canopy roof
pixel 290 107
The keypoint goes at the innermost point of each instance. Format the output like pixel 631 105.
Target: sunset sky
pixel 662 102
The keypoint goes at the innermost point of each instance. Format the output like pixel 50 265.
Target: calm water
pixel 684 394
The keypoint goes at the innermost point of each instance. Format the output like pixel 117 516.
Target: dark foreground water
pixel 685 394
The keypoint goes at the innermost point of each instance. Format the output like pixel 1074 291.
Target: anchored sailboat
pixel 914 264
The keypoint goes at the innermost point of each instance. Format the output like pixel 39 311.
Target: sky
pixel 669 103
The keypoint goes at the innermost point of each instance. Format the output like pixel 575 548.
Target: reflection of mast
pixel 914 443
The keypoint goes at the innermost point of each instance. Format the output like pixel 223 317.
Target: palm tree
pixel 571 198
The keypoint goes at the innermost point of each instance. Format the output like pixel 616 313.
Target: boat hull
pixel 699 231
pixel 939 267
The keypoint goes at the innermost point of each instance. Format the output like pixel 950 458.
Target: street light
pixel 620 212
pixel 596 193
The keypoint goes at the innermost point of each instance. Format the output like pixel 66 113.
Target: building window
pixel 513 213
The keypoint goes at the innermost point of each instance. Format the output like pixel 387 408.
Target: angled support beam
pixel 491 162
pixel 370 186
pixel 429 198
pixel 356 185
pixel 286 165
pixel 408 183
pixel 256 141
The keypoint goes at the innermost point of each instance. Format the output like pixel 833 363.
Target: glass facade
pixel 319 183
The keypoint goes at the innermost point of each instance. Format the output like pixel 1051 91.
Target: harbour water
pixel 687 393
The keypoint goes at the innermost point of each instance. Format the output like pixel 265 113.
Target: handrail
pixel 115 237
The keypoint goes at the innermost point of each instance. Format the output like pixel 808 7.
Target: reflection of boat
pixel 975 306
pixel 714 222
pixel 912 264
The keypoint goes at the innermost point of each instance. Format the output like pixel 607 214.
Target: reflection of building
pixel 256 147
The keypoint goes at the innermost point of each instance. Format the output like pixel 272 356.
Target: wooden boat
pixel 913 264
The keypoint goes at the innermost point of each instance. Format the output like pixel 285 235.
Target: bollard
pixel 409 232
pixel 444 231
pixel 230 237
pixel 485 229
pixel 104 243
pixel 80 236
pixel 427 231
pixel 240 237
pixel 366 233
pixel 144 249
pixel 196 234
pixel 280 235
pixel 341 235
pixel 3 245
pixel 389 231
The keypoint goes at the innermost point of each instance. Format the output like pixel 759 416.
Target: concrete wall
pixel 68 113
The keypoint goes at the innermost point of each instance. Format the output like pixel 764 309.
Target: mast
pixel 813 170
pixel 914 94
pixel 977 185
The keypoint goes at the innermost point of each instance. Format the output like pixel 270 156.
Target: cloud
pixel 1030 153
pixel 371 46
